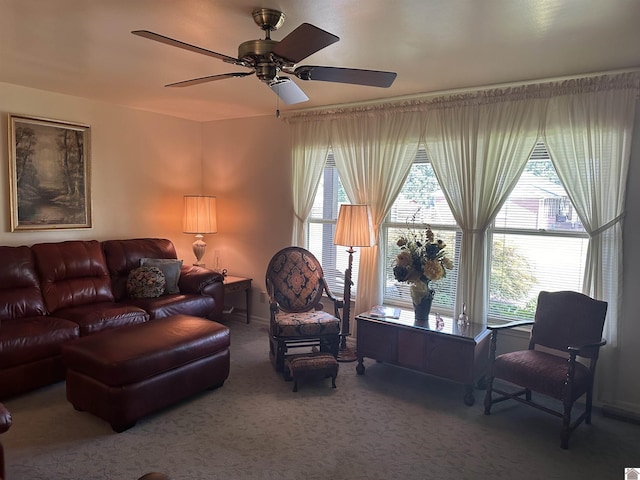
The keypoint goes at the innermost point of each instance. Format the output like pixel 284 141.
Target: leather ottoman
pixel 123 374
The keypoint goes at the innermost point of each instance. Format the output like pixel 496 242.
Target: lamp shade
pixel 354 227
pixel 199 214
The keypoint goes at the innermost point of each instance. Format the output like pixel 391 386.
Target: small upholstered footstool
pixel 123 374
pixel 311 365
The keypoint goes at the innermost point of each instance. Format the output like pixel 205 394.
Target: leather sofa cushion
pixel 167 305
pixel 122 256
pixel 97 317
pixel 127 355
pixel 30 339
pixel 72 273
pixel 20 294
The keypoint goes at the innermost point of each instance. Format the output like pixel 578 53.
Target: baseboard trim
pixel 620 414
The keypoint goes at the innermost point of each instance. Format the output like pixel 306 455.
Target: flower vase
pixel 422 297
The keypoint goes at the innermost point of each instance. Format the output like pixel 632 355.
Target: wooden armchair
pixel 295 286
pixel 567 325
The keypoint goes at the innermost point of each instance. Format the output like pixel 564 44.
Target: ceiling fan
pixel 270 59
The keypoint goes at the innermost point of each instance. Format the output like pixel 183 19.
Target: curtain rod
pixel 439 93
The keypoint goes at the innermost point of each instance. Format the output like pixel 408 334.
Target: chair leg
pixel 277 349
pixel 527 394
pixel 330 345
pixel 488 400
pixel 566 427
pixel 335 346
pixel 589 401
pixel 280 351
pixel 488 396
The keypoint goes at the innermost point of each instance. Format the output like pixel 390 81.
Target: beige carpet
pixel 390 423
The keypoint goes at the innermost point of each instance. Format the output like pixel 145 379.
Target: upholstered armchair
pixel 5 423
pixel 295 285
pixel 567 325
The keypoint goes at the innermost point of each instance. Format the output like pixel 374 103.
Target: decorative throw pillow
pixel 145 282
pixel 171 269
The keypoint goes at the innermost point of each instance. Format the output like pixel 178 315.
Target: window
pixel 537 242
pixel 421 202
pixel 321 229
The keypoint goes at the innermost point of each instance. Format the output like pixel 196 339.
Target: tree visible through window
pixel 421 203
pixel 537 242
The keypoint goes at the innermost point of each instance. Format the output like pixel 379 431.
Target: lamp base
pixel 347 351
pixel 199 247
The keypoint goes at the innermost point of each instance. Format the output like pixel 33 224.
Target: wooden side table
pixel 238 284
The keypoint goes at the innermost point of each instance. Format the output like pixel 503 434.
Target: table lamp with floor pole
pixel 353 229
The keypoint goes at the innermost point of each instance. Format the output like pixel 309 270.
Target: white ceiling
pixel 85 48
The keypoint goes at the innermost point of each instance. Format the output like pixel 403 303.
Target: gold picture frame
pixel 49 174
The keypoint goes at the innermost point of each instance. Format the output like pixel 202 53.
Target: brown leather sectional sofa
pixel 5 424
pixel 51 293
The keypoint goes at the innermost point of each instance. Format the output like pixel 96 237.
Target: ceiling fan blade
pixel 305 40
pixel 186 46
pixel 373 78
pixel 288 91
pixel 210 78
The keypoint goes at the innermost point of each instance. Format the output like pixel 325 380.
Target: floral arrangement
pixel 421 260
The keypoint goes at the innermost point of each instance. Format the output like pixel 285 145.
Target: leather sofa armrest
pixel 203 281
pixel 194 279
pixel 5 419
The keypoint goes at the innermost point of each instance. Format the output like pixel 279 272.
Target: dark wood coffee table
pixel 456 353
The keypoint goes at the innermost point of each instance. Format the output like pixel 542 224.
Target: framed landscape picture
pixel 49 174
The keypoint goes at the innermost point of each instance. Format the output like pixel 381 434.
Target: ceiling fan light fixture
pixel 267 72
pixel 287 90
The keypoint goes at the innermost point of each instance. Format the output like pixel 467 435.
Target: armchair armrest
pixel 580 349
pixel 494 336
pixel 588 345
pixel 516 323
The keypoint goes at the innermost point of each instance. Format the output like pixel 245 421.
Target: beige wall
pixel 248 167
pixel 141 166
pixel 143 163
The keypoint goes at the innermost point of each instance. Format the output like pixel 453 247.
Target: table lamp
pixel 199 218
pixel 353 229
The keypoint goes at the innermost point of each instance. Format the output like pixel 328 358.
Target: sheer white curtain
pixel 588 133
pixel 478 145
pixel 373 155
pixel 310 147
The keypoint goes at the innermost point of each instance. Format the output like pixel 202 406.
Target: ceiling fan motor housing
pixel 258 53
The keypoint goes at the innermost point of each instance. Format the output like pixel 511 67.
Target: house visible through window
pixel 537 242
